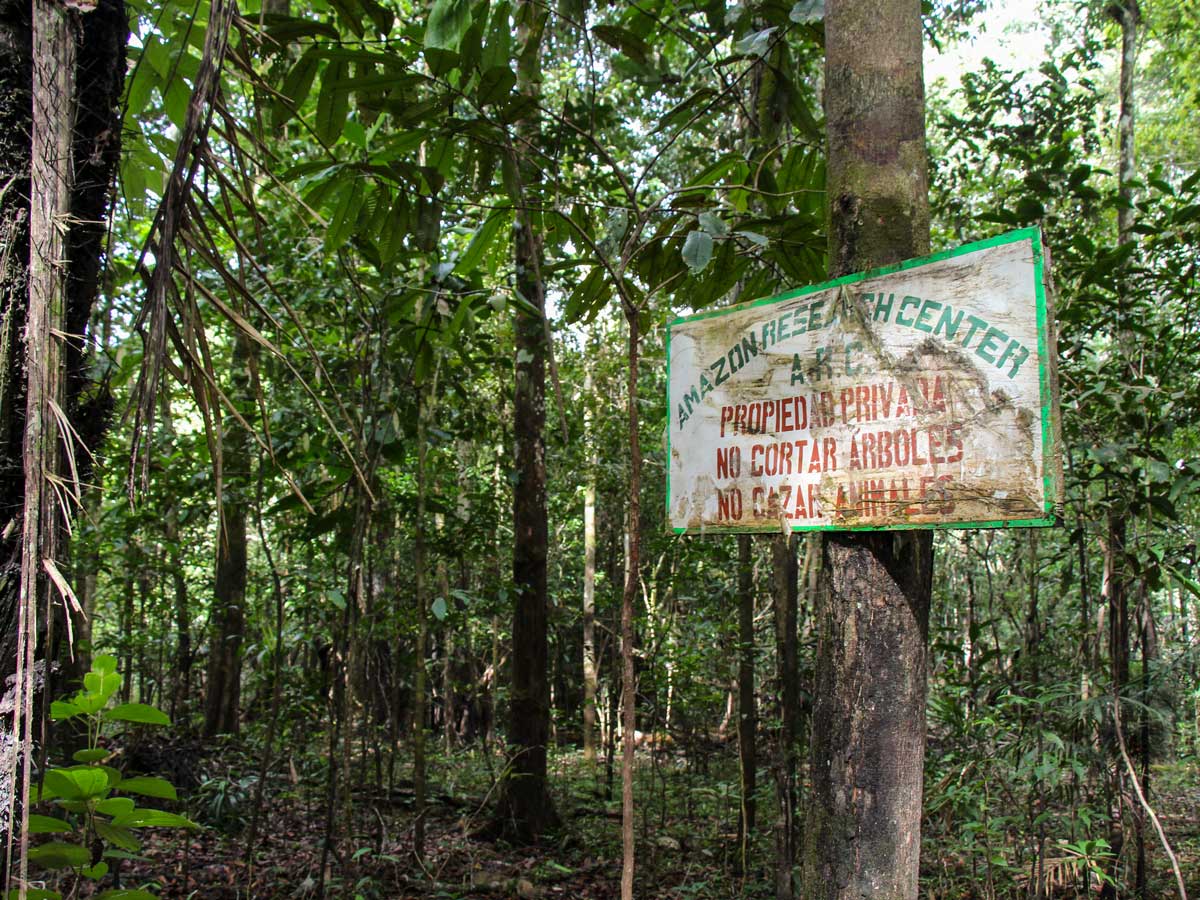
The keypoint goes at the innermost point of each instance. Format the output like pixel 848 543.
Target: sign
pixel 919 395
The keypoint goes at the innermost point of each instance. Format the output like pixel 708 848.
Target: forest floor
pixel 686 822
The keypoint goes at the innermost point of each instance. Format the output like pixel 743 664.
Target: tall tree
pixel 868 741
pixel 229 585
pixel 526 810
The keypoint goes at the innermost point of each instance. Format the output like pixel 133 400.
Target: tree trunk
pixel 229 589
pixel 747 721
pixel 525 809
pixel 863 836
pixel 589 582
pixel 632 561
pixel 786 590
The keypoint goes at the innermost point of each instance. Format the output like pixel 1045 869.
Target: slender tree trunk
pixel 633 560
pixel 786 590
pixel 589 582
pixel 526 810
pixel 747 721
pixel 422 602
pixel 1116 580
pixel 863 836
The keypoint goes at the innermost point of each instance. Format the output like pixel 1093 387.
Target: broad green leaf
pixel 333 103
pixel 152 818
pixel 142 713
pixel 117 836
pixel 625 41
pixel 697 250
pixel 589 297
pixel 176 97
pixel 115 806
pixel 755 44
pixel 286 29
pixel 296 86
pixel 149 786
pixel 90 756
pixel 78 783
pixel 63 709
pixel 438 608
pixel 712 223
pixel 39 824
pixel 34 894
pixel 485 235
pixel 754 237
pixel 96 872
pixel 59 855
pixel 448 22
pixel 351 15
pixel 125 894
pixel 807 11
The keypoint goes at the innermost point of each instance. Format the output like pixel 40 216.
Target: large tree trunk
pixel 99 73
pixel 525 809
pixel 863 836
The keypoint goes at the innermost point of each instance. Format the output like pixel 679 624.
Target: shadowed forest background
pixel 349 298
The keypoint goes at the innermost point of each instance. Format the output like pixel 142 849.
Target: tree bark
pixel 525 809
pixel 589 584
pixel 863 835
pixel 632 562
pixel 229 588
pixel 786 590
pixel 90 153
pixel 747 722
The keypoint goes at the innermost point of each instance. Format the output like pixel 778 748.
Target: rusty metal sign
pixel 920 395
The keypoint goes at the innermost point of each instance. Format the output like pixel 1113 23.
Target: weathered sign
pixel 919 395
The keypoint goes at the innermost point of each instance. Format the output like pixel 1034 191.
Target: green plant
pixel 92 823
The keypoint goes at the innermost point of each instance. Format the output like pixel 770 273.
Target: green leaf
pixel 712 223
pixel 34 894
pixel 48 825
pixel 90 756
pixel 754 237
pixel 807 11
pixel 62 709
pixel 286 29
pixel 125 894
pixel 333 103
pixel 152 818
pixel 755 44
pixel 625 41
pixel 59 855
pixel 485 235
pixel 438 608
pixel 149 786
pixel 142 713
pixel 77 783
pixel 697 250
pixel 96 872
pixel 117 836
pixel 176 97
pixel 448 22
pixel 114 806
pixel 296 86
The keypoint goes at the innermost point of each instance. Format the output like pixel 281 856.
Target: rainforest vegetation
pixel 334 557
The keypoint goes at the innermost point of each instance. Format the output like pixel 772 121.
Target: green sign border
pixel 1047 378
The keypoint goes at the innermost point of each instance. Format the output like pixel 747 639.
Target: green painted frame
pixel 1051 420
